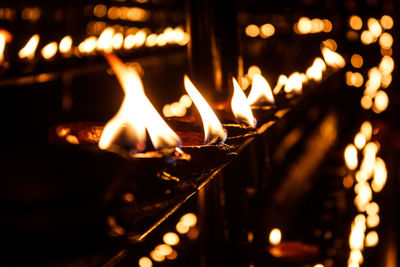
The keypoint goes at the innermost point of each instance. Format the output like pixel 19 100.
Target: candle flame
pixel 5 37
pixel 332 58
pixel 28 51
pixel 316 70
pixel 294 83
pixel 282 79
pixel 104 42
pixel 260 91
pixel 240 107
pixel 212 126
pixel 49 50
pixel 136 114
pixel 65 44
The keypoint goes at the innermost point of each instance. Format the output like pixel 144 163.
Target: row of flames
pixel 137 114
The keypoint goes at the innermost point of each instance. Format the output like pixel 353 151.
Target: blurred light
pixel 348 181
pixel 355 22
pixel 372 239
pixel 386 40
pixel 32 14
pixel 185 100
pixel 72 139
pixel 359 140
pixel 129 41
pixel 317 25
pixel 386 65
pixel 189 219
pixel 374 27
pixel 304 25
pixel 330 43
pixel 173 255
pixel 356 256
pixel 193 234
pixel 113 13
pixel 386 51
pixel 387 22
pixel 319 265
pixel 129 197
pixel 373 221
pixel 88 45
pixel 267 30
pixel 105 40
pixel 161 40
pixel 332 58
pixel 65 44
pixel 156 256
pixel 145 262
pixel 282 79
pixel 380 175
pixel 327 25
pixel 367 37
pixel 294 83
pixel 151 40
pixel 100 10
pixel 252 30
pixel 352 35
pixel 366 102
pixel 28 51
pixel 49 50
pixel 182 228
pixel 275 236
pixel 372 208
pixel 163 249
pixel 253 70
pixel 171 239
pixel 315 71
pixel 381 102
pixel 350 157
pixel 386 80
pixel 366 130
pixel 117 41
pixel 357 61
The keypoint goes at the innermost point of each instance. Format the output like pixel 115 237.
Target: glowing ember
pixel 212 126
pixel 260 91
pixel 28 51
pixel 240 107
pixel 136 114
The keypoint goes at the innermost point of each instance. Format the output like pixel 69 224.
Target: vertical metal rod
pixel 214 47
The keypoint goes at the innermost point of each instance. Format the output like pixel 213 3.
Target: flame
pixel 28 51
pixel 5 37
pixel 136 113
pixel 49 50
pixel 294 83
pixel 240 107
pixel 332 58
pixel 317 68
pixel 212 126
pixel 65 44
pixel 275 236
pixel 282 79
pixel 350 156
pixel 260 91
pixel 104 42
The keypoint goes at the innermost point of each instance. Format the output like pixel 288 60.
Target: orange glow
pixel 49 50
pixel 332 58
pixel 386 80
pixel 104 42
pixel 28 51
pixel 317 68
pixel 88 45
pixel 212 126
pixel 359 140
pixel 65 44
pixel 260 91
pixel 294 83
pixel 267 30
pixel 374 27
pixel 317 25
pixel 350 157
pixel 163 249
pixel 275 236
pixel 156 256
pixel 357 61
pixel 381 102
pixel 373 220
pixel 151 40
pixel 189 219
pixel 372 239
pixel 100 10
pixel 5 37
pixel 117 41
pixel 240 107
pixel 380 175
pixel 136 114
pixel 145 262
pixel 327 25
pixel 366 102
pixel 253 70
pixel 366 130
pixel 387 22
pixel 304 25
pixel 252 30
pixel 386 40
pixel 171 239
pixel 282 79
pixel 355 22
pixel 330 43
pixel 386 65
pixel 367 37
pixel 372 208
pixel 182 228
